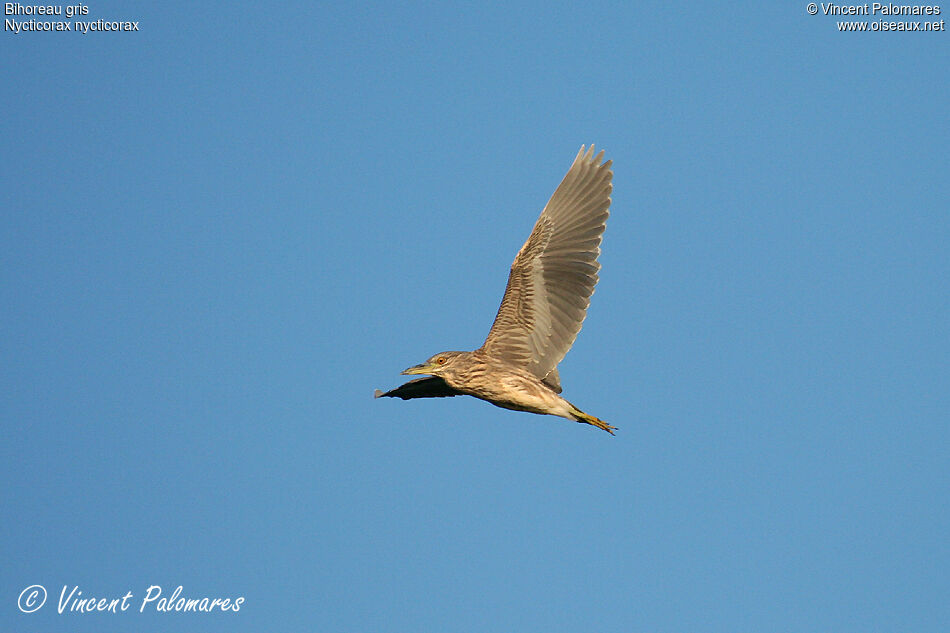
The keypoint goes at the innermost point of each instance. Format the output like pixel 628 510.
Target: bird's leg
pixel 580 416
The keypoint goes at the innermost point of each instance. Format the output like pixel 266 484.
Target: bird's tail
pixel 580 416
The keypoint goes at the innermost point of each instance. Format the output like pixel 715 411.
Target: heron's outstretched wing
pixel 433 387
pixel 554 273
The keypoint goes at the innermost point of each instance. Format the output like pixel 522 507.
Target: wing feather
pixel 554 274
pixel 432 387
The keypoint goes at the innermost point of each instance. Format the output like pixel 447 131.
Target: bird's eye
pixel 440 360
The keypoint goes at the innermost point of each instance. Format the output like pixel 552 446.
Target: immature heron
pixel 549 289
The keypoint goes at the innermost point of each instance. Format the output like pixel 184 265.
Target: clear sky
pixel 222 232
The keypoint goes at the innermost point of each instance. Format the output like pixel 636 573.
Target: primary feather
pixel 554 274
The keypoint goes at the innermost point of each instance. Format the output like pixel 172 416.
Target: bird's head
pixel 438 365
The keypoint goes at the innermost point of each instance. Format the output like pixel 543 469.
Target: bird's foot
pixel 589 419
pixel 600 424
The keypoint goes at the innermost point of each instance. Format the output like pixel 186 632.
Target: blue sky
pixel 221 233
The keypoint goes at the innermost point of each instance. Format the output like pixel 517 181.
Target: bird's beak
pixel 424 368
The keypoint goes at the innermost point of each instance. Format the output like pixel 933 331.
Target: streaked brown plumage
pixel 549 289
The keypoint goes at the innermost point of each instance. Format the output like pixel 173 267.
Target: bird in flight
pixel 549 289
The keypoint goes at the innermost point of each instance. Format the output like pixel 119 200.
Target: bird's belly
pixel 522 394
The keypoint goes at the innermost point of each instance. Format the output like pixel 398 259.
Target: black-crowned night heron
pixel 549 289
